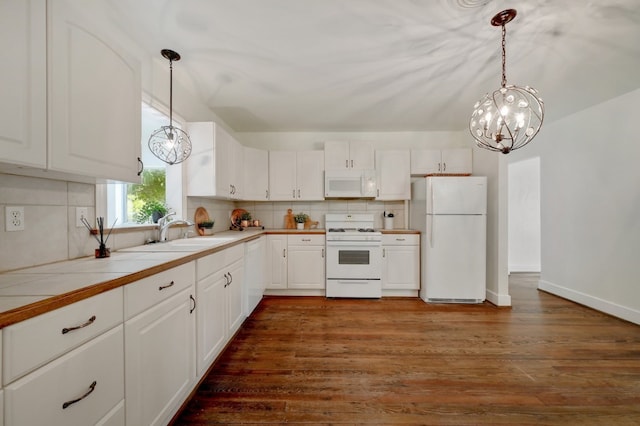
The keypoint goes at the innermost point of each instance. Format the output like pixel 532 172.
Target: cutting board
pixel 200 215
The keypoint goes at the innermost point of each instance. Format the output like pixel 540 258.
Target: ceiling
pixel 385 65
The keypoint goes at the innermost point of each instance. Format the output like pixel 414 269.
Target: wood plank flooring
pixel 314 361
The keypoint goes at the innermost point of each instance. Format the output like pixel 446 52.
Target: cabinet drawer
pixel 214 262
pixel 147 292
pixel 40 398
pixel 30 344
pixel 400 239
pixel 305 240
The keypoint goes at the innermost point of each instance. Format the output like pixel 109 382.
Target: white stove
pixel 354 256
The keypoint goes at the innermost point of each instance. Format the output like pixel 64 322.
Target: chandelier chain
pixel 504 56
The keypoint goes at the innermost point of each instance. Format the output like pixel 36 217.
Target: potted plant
pixel 300 219
pixel 206 226
pixel 151 210
pixel 244 219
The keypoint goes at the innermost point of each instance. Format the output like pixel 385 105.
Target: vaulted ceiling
pixel 385 65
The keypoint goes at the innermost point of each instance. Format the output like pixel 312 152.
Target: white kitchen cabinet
pixel 306 263
pixel 215 167
pixel 348 155
pixel 1 407
pixel 296 175
pixel 401 262
pixel 219 297
pixel 296 262
pixel 255 185
pixel 82 387
pixel 255 273
pixel 276 261
pixel 393 175
pixel 160 367
pixel 94 96
pixel 455 161
pixel 23 86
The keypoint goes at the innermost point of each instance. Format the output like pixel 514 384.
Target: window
pixel 134 204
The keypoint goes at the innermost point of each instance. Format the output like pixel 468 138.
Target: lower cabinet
pixel 83 387
pixel 159 345
pixel 400 264
pixel 219 312
pixel 296 262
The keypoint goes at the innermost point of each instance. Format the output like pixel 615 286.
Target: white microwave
pixel 350 184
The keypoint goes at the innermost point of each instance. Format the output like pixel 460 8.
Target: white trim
pixel 596 303
pixel 498 299
pixel 525 268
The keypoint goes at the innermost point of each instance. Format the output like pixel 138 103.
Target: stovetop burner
pixel 366 230
pixel 337 230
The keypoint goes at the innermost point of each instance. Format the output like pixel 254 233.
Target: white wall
pixel 494 166
pixel 524 215
pixel 590 206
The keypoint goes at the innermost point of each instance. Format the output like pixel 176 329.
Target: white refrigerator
pixel 451 215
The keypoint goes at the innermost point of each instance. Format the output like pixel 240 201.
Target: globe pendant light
pixel 511 116
pixel 170 144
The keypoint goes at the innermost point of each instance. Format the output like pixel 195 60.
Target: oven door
pixel 359 260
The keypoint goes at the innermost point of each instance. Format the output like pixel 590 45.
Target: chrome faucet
pixel 164 224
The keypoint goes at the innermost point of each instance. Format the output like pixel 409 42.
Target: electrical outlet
pixel 81 212
pixel 14 218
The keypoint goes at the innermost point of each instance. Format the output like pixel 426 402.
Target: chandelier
pixel 169 143
pixel 510 117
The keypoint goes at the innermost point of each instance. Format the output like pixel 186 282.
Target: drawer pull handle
pixel 162 287
pixel 92 387
pixel 194 304
pixel 306 239
pixel 400 239
pixel 226 280
pixel 77 327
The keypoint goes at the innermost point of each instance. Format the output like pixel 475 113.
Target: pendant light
pixel 170 144
pixel 511 116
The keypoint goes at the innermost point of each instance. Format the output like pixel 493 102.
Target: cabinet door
pixel 235 301
pixel 425 162
pixel 394 175
pixel 255 185
pixel 282 175
pixel 276 261
pixel 310 175
pixel 336 155
pixel 306 267
pixel 159 360
pixel 361 156
pixel 50 395
pixel 457 161
pixel 94 103
pixel 236 174
pixel 211 314
pixel 401 267
pixel 222 153
pixel 23 86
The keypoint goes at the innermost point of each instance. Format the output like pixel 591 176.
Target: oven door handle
pixel 354 244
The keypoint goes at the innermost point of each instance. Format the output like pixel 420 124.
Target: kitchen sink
pixel 181 245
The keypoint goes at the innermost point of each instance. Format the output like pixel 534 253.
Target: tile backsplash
pixel 51 235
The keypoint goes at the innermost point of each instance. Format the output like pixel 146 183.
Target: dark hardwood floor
pixel 545 361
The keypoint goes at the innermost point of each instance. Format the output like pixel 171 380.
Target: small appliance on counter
pixel 388 220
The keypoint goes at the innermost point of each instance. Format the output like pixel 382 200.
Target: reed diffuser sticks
pixel 102 250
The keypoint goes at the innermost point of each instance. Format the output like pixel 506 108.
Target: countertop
pixel 28 292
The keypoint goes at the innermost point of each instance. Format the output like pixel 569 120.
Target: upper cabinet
pixel 296 175
pixel 214 168
pixel 256 174
pixel 75 93
pixel 348 155
pixel 457 161
pixel 23 86
pixel 394 180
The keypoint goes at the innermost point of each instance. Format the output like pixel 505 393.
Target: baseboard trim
pixel 498 299
pixel 596 303
pixel 525 268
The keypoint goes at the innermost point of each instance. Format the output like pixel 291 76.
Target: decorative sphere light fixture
pixel 169 143
pixel 511 116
